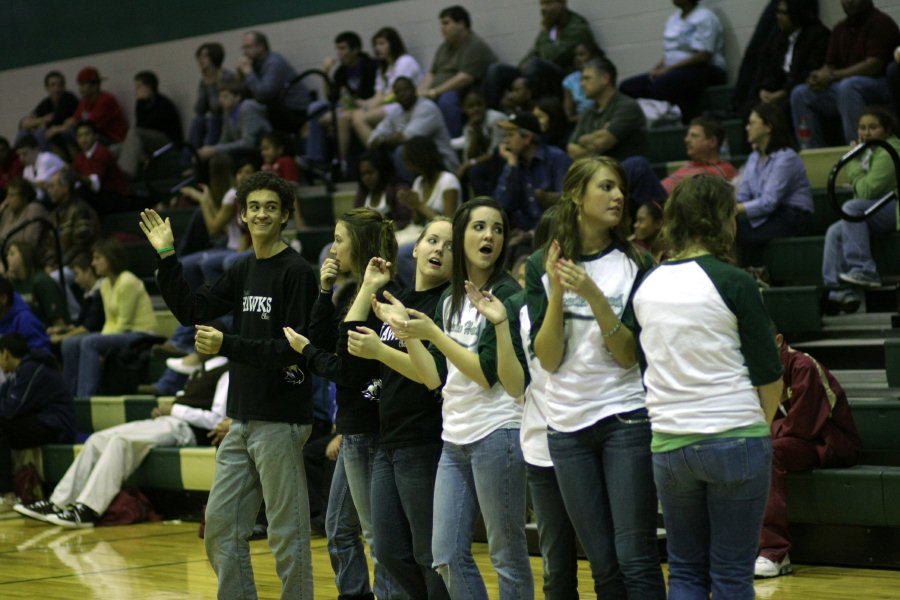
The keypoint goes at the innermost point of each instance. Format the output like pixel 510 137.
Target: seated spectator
pixel 519 97
pixel 206 126
pixel 704 137
pixel 393 62
pixel 244 123
pixel 847 256
pixel 460 62
pixel 39 166
pixel 268 76
pixel 551 56
pixel 794 50
pixel 16 317
pixel 156 123
pixel 35 408
pixel 44 295
pixel 813 428
pixel 774 196
pixel 76 222
pixel 10 165
pixel 20 207
pixel 435 190
pixel 352 82
pixel 95 105
pixel 647 229
pixel 481 137
pixel 852 77
pixel 418 117
pixel 95 168
pixel 90 316
pixel 111 455
pixel 379 189
pixel 766 27
pixel 692 60
pixel 574 100
pixel 128 315
pixel 272 147
pixel 532 178
pixel 555 126
pixel 616 126
pixel 53 110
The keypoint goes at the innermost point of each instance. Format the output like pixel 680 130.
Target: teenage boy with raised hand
pixel 269 398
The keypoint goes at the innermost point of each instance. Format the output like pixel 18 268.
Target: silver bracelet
pixel 612 331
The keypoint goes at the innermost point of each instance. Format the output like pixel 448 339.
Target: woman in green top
pixel 847 258
pixel 44 295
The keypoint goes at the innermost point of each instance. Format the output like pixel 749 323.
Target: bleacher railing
pixel 46 224
pixel 843 161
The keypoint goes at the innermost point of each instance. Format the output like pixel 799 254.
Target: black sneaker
pixel 78 516
pixel 40 510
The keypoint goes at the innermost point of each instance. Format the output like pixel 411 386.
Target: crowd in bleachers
pixel 476 163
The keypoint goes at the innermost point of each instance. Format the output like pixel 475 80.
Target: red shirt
pixel 286 168
pixel 873 35
pixel 105 112
pixel 102 164
pixel 721 168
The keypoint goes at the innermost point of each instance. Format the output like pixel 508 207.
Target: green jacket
pixel 572 32
pixel 872 176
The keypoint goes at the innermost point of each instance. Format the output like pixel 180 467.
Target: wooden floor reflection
pixel 163 561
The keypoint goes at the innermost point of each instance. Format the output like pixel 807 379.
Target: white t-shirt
pixel 533 434
pixel 404 66
pixel 446 181
pixel 700 31
pixel 589 385
pixel 381 206
pixel 470 412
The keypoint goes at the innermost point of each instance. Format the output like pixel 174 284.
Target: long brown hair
pixel 575 184
pixel 701 212
pixel 459 274
pixel 371 235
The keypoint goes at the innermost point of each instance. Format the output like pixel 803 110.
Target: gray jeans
pixel 260 460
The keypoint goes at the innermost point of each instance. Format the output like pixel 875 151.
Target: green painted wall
pixel 39 31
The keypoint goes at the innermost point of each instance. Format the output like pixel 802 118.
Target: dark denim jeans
pixel 402 514
pixel 488 474
pixel 606 479
pixel 713 496
pixel 557 536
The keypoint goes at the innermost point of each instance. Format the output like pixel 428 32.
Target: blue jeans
pixel 406 265
pixel 848 245
pixel 205 130
pixel 316 149
pixel 713 497
pixel 681 86
pixel 451 108
pixel 845 99
pixel 557 536
pixel 488 474
pixel 82 366
pixel 349 509
pixel 260 460
pixel 606 479
pixel 402 515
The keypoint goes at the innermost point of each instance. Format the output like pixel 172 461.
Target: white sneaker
pixel 765 568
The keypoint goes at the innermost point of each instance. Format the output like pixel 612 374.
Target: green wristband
pixel 166 249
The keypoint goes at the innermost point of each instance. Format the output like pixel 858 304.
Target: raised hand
pixel 158 232
pixel 410 199
pixel 551 263
pixel 486 303
pixel 574 278
pixel 378 273
pixel 392 309
pixel 297 341
pixel 331 268
pixel 418 326
pixel 363 342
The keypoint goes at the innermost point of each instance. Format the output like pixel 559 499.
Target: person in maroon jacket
pixel 98 106
pixel 98 172
pixel 813 428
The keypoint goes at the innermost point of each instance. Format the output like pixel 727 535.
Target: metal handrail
pixel 843 161
pixel 178 146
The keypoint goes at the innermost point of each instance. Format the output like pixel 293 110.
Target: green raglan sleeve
pixel 741 295
pixel 535 296
pixel 487 340
pixel 440 361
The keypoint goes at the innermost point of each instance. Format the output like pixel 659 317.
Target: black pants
pixel 15 434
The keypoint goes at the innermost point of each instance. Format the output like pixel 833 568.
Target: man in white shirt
pixel 39 166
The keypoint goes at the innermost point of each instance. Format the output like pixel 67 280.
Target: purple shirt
pixel 779 180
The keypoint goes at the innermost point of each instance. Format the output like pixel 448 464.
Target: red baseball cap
pixel 88 75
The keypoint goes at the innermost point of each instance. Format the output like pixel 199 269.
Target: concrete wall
pixel 629 30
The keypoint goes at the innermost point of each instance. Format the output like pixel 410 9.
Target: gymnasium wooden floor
pixel 163 561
